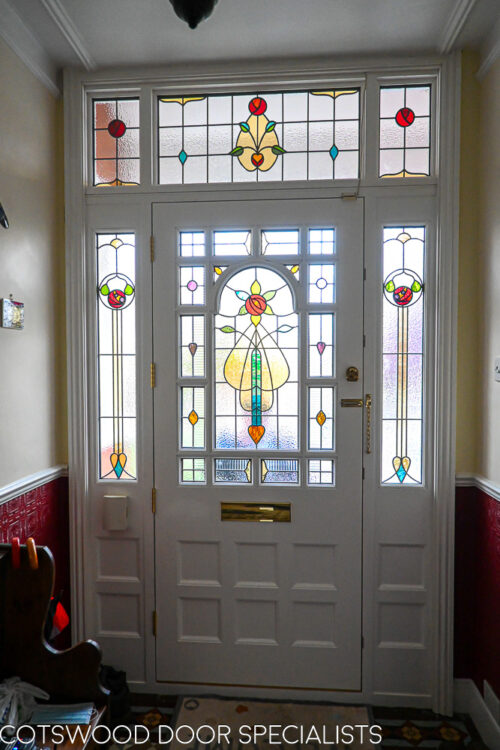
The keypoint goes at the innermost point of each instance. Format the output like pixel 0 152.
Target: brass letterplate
pixel 260 512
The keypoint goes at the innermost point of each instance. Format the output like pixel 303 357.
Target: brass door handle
pixel 368 407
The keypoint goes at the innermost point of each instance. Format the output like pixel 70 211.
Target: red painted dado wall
pixel 477 587
pixel 43 514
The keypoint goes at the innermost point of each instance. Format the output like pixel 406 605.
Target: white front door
pixel 258 313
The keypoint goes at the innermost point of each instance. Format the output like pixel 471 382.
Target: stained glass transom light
pixel 301 135
pixel 116 159
pixel 116 356
pixel 405 131
pixel 402 294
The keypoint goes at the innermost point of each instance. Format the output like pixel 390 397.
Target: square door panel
pixel 401 566
pixel 314 566
pixel 401 625
pixel 314 624
pixel 199 620
pixel 119 614
pixel 256 564
pixel 198 563
pixel 119 558
pixel 256 622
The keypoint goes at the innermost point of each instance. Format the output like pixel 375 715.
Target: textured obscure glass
pixel 404 139
pixel 116 358
pixel 116 157
pixel 320 418
pixel 192 285
pixel 247 138
pixel 192 335
pixel 232 470
pixel 321 471
pixel 280 242
pixel 192 244
pixel 321 283
pixel 402 358
pixel 320 344
pixel 232 242
pixel 193 471
pixel 193 417
pixel 279 471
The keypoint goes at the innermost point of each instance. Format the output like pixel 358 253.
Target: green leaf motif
pixel 390 286
pixel 242 310
pixel 227 329
pixel 416 286
pixel 270 126
pixel 270 295
pixel 104 289
pixel 129 290
pixel 244 126
pixel 278 150
pixel 236 151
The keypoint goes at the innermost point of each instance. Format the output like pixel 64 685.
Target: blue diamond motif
pixel 401 473
pixel 334 152
pixel 183 156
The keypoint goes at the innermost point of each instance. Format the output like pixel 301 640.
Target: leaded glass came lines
pixel 116 159
pixel 259 137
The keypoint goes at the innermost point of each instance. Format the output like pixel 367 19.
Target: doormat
pixel 219 723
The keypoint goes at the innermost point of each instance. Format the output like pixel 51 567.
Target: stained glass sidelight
pixel 320 344
pixel 256 370
pixel 321 418
pixel 405 131
pixel 116 356
pixel 281 136
pixel 403 322
pixel 192 285
pixel 193 417
pixel 116 157
pixel 321 283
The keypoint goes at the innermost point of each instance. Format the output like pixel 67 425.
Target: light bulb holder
pixel 193 11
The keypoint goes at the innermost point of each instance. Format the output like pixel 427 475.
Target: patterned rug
pixel 261 724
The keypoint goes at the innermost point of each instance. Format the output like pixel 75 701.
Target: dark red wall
pixel 43 514
pixel 477 587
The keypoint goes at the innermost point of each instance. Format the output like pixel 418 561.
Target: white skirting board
pixel 468 700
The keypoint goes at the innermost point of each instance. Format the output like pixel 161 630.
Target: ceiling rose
pixel 193 11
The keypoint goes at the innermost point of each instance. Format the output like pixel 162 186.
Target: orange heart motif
pixel 256 431
pixel 118 461
pixel 257 159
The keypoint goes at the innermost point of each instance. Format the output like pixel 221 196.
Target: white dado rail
pixel 31 482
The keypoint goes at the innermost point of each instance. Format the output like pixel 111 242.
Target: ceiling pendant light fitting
pixel 193 11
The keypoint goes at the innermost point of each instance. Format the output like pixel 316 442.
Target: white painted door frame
pixel 136 204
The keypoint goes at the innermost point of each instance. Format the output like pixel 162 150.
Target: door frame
pixel 445 189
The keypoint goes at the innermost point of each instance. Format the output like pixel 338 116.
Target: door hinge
pixel 153 499
pixel 152 248
pixel 153 375
pixel 155 623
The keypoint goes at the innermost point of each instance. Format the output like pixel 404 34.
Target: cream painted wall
pixel 489 290
pixel 468 343
pixel 33 432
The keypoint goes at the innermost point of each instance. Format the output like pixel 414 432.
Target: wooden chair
pixel 70 676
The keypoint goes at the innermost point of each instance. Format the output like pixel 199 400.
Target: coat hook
pixel 32 554
pixel 16 552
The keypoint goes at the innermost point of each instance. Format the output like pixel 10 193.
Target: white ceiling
pixel 102 33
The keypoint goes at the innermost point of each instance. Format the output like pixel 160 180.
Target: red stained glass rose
pixel 117 128
pixel 116 298
pixel 255 304
pixel 405 117
pixel 403 295
pixel 257 106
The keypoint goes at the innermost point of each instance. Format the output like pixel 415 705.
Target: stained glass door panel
pixel 257 315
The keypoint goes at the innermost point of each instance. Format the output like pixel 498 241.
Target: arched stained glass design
pixel 256 363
